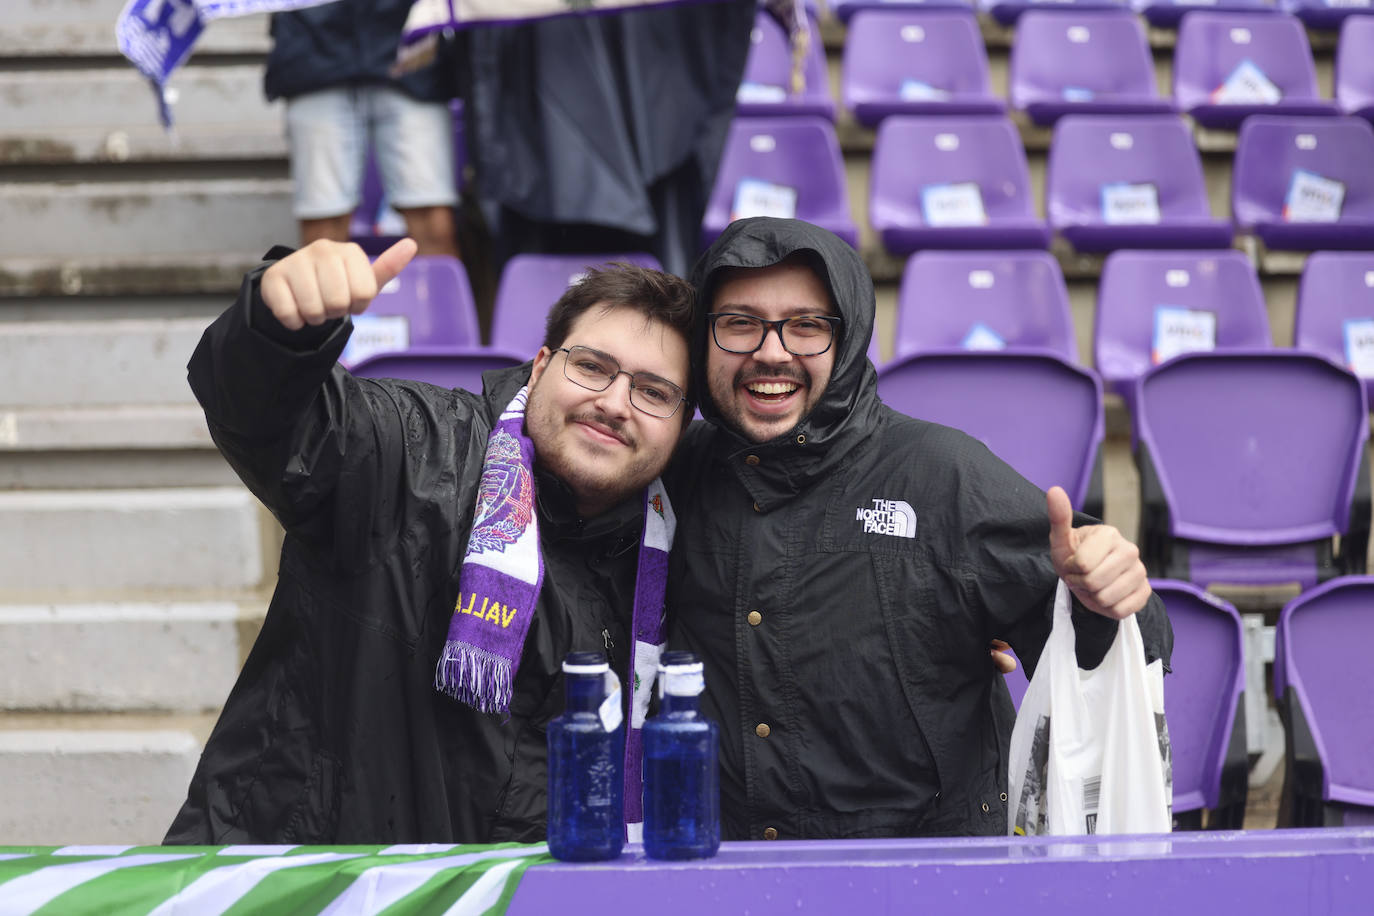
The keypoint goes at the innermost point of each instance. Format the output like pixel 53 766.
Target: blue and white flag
pixel 157 35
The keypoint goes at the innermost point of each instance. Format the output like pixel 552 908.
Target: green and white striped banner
pixel 242 880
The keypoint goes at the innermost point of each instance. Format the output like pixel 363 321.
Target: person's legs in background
pixel 413 142
pixel 328 145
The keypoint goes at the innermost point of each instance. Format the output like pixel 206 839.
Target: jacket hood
pixel 848 403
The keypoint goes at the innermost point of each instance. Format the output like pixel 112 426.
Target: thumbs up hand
pixel 1099 566
pixel 326 280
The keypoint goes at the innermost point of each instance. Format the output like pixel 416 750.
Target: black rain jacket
pixel 334 732
pixel 848 665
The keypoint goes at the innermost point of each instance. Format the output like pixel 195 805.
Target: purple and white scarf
pixel 157 35
pixel 499 582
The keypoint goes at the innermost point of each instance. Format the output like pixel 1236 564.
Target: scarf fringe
pixel 474 676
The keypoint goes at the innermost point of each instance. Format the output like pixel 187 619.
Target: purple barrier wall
pixel 1252 873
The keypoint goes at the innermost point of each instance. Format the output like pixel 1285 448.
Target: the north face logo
pixel 893 517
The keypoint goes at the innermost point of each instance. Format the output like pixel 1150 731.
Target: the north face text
pixel 893 517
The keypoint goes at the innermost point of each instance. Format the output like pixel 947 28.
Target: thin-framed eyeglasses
pixel 595 371
pixel 804 335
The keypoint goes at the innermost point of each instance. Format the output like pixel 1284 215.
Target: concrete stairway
pixel 133 566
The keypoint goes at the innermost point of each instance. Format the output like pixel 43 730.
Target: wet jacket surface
pixel 848 664
pixel 334 732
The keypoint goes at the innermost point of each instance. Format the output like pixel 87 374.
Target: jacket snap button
pixel 763 731
pixel 770 833
pixel 757 508
pixel 985 807
pixel 801 439
pixel 1003 796
pixel 751 460
pixel 755 618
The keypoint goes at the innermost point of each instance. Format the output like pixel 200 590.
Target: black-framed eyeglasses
pixel 595 371
pixel 804 335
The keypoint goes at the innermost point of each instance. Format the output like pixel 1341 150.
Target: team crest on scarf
pixel 504 503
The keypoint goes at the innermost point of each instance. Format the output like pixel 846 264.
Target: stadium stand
pixel 952 182
pixel 767 85
pixel 787 166
pixel 915 62
pixel 1167 13
pixel 1153 305
pixel 1082 62
pixel 1251 463
pixel 1009 11
pixel 447 367
pixel 1304 183
pixel 1320 688
pixel 984 300
pixel 1355 67
pixel 430 304
pixel 1035 411
pixel 1228 66
pixel 1326 14
pixel 531 283
pixel 1335 308
pixel 1129 182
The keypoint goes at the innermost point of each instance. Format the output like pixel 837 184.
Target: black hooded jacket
pixel 334 732
pixel 849 665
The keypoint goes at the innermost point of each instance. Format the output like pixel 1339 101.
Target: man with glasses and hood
pixel 844 570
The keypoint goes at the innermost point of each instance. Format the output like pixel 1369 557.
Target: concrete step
pixel 159 273
pixel 103 542
pixel 119 469
pixel 120 219
pixel 97 363
pixel 100 781
pixel 108 115
pixel 120 657
pixel 86 28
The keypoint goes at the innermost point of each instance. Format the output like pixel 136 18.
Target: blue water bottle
pixel 587 763
pixel 681 781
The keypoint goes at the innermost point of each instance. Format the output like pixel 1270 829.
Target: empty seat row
pixel 1112 182
pixel 1317 14
pixel 1226 66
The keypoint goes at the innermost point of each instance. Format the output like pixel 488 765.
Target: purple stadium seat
pixel 788 167
pixel 1355 67
pixel 531 284
pixel 984 300
pixel 1326 14
pixel 1129 182
pixel 1335 312
pixel 844 10
pixel 1228 66
pixel 428 304
pixel 766 88
pixel 1251 461
pixel 1202 701
pixel 375 225
pixel 915 62
pixel 1322 690
pixel 1152 305
pixel 1305 183
pixel 1084 62
pixel 955 182
pixel 1166 13
pixel 1035 411
pixel 1008 11
pixel 447 367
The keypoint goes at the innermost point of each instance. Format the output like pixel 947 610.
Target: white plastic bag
pixel 1090 751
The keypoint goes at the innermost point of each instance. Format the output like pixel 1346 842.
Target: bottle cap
pixel 585 663
pixel 680 674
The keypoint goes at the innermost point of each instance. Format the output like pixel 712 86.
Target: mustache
pixel 753 374
pixel 619 427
